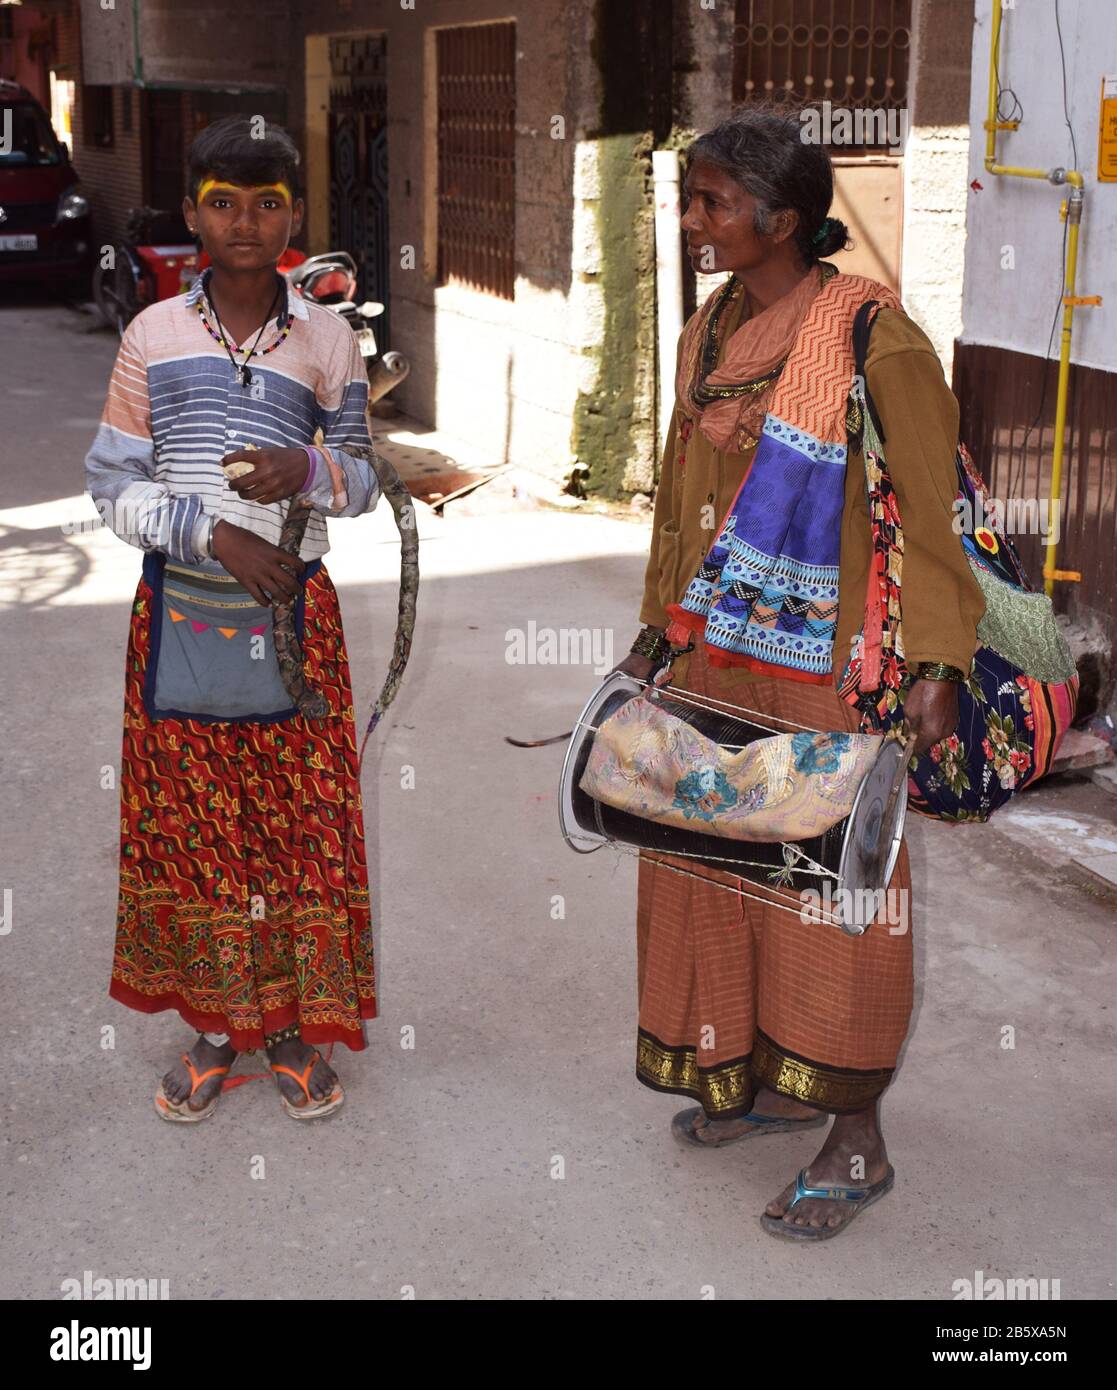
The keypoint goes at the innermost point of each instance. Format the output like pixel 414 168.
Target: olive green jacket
pixel 942 603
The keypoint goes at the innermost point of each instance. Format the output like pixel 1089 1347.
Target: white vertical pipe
pixel 668 279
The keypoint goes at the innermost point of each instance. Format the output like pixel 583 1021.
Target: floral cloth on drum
pixel 238 907
pixel 652 764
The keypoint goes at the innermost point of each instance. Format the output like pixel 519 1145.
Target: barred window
pixel 851 53
pixel 476 86
pixel 97 122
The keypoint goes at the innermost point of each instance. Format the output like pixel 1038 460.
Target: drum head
pixel 575 807
pixel 872 840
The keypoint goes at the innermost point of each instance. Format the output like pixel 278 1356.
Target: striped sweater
pixel 176 407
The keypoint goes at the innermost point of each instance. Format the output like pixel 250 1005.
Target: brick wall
pixel 18 61
pixel 112 179
pixel 116 179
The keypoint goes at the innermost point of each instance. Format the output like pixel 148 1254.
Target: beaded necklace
pixel 241 369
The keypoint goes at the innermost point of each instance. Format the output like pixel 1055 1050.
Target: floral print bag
pixel 649 760
pixel 1010 719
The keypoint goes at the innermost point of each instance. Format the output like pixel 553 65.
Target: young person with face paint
pixel 239 906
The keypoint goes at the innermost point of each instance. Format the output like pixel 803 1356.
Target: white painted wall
pixel 934 170
pixel 1014 308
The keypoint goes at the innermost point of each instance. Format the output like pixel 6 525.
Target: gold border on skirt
pixel 725 1091
pixel 728 1091
pixel 829 1088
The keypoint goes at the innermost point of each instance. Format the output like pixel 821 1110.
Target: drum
pixel 857 854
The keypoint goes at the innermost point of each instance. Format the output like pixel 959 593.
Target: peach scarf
pixel 729 402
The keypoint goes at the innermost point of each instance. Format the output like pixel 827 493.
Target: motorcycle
pixel 331 280
pixel 146 265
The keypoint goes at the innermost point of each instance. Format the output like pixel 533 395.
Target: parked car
pixel 44 218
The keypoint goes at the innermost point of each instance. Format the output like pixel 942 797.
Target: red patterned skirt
pixel 237 908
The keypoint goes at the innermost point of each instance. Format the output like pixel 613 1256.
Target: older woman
pixel 774 1024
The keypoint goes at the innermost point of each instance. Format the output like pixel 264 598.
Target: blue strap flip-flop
pixel 859 1197
pixel 682 1127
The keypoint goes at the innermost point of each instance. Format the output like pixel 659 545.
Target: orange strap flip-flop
pixel 179 1111
pixel 313 1109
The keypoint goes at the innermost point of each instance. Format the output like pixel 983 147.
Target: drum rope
pixel 686 697
pixel 791 862
pixel 596 729
pixel 819 920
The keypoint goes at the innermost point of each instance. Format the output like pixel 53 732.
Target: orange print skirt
pixel 237 908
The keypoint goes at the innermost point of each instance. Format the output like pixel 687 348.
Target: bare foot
pixel 852 1156
pixel 296 1054
pixel 177 1082
pixel 767 1102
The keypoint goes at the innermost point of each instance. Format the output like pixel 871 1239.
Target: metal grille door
pixel 477 156
pixel 359 164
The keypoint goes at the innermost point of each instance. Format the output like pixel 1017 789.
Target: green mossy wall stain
pixel 613 433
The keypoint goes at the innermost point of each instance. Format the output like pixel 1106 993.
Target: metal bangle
pixel 938 671
pixel 650 642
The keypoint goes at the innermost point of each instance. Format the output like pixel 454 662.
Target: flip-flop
pixel 682 1127
pixel 860 1197
pixel 178 1111
pixel 313 1109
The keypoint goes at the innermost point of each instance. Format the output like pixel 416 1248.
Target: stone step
pixel 1105 777
pixel 1101 868
pixel 1080 751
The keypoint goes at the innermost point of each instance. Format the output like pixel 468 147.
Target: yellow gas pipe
pixel 1071 210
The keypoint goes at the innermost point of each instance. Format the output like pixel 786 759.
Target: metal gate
pixel 853 54
pixel 359 164
pixel 477 156
pixel 848 52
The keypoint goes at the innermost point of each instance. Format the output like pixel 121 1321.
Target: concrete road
pixel 438 1175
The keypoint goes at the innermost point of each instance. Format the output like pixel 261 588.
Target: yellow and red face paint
pixel 214 185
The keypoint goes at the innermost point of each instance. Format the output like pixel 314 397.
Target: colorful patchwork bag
pixel 1022 692
pixel 213 654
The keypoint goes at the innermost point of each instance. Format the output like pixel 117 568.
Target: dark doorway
pixel 359 164
pixel 208 107
pixel 166 153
